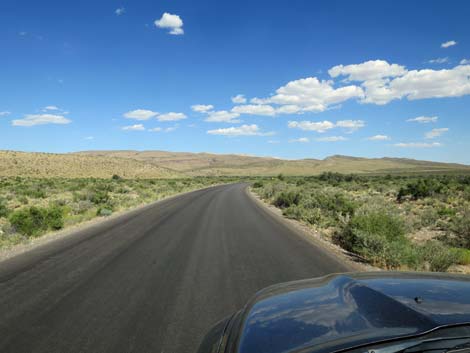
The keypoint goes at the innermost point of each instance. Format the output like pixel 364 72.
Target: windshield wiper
pixel 439 345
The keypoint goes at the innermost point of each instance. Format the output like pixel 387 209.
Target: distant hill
pixel 46 165
pixel 161 164
pixel 231 164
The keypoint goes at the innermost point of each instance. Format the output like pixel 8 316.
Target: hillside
pixel 160 164
pixel 217 164
pixel 77 166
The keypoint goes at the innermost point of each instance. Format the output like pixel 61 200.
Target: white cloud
pixel 244 130
pixel 368 71
pixel 351 125
pixel 136 127
pixel 288 109
pixel 301 140
pixel 41 119
pixel 140 114
pixel 120 11
pixel 155 129
pixel 436 133
pixel 424 119
pixel 383 82
pixel 418 145
pixel 50 108
pixel 254 110
pixel 439 60
pixel 448 44
pixel 222 116
pixel 173 22
pixel 4 113
pixel 311 95
pixel 171 116
pixel 379 138
pixel 202 108
pixel 331 139
pixel 320 126
pixel 239 99
pixel 465 62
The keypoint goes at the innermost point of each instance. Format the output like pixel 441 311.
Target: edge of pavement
pixel 312 236
pixel 70 232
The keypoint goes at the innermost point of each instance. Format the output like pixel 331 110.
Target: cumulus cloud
pixel 120 11
pixel 379 138
pixel 301 140
pixel 140 114
pixel 202 108
pixel 313 95
pixel 439 60
pixel 368 71
pixel 172 22
pixel 436 133
pixel 41 119
pixel 222 116
pixel 332 139
pixel 252 109
pixel 239 99
pixel 244 130
pixel 417 145
pixel 318 126
pixel 136 127
pixel 465 62
pixel 424 119
pixel 448 44
pixel 5 113
pixel 323 126
pixel 171 116
pixel 351 125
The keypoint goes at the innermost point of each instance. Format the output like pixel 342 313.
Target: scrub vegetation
pixel 393 222
pixel 31 207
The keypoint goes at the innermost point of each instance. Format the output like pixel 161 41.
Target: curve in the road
pixel 153 280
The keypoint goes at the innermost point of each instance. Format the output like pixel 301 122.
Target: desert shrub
pixel 437 256
pixel 375 233
pixel 420 189
pixel 99 197
pixel 287 199
pixel 55 217
pixel 281 177
pixel 462 255
pixel 4 211
pixel 29 221
pixel 116 177
pixel 104 212
pixel 258 184
pixel 460 230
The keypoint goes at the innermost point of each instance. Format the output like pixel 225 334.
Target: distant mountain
pixel 161 164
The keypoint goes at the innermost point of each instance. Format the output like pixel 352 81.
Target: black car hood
pixel 342 311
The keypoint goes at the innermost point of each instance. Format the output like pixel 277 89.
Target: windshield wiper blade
pixel 438 345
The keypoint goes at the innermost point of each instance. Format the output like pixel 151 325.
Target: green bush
pixel 55 217
pixel 4 211
pixel 376 234
pixel 29 221
pixel 287 199
pixel 437 256
pixel 460 230
pixel 258 184
pixel 420 189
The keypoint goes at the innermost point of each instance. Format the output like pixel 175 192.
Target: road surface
pixel 153 280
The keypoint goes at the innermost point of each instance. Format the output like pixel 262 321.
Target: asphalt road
pixel 153 280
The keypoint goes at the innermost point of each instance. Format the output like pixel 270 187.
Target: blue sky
pixel 291 79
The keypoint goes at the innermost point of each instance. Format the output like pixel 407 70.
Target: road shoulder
pixel 312 236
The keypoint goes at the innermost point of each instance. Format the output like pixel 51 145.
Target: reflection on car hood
pixel 340 311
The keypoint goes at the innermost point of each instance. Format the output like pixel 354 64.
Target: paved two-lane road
pixel 153 280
